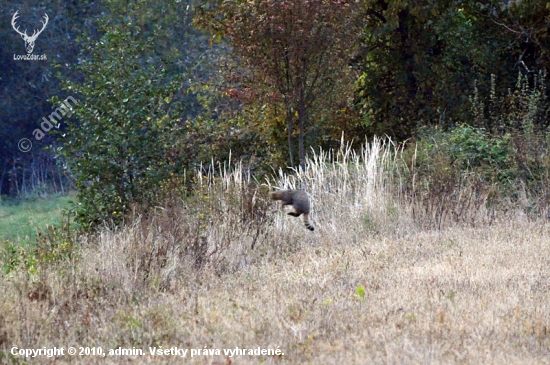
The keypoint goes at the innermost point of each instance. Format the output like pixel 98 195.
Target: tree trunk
pixel 290 127
pixel 302 117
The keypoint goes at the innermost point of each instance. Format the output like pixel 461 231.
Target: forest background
pixel 186 83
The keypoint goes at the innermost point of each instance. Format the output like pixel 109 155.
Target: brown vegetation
pixel 373 284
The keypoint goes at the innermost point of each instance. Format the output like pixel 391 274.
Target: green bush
pixel 124 149
pixel 467 149
pixel 506 145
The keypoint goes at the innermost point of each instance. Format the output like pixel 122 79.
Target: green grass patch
pixel 21 221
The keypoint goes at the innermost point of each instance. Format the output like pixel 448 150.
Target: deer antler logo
pixel 29 41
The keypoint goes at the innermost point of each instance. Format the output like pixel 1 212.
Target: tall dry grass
pixel 225 268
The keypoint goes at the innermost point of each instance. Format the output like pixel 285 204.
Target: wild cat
pixel 299 201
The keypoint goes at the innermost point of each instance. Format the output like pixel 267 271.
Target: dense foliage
pixel 123 147
pixel 164 87
pixel 296 52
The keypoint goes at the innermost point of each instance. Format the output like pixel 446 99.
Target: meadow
pixel 23 220
pixel 376 283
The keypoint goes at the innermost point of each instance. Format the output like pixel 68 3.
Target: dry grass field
pixel 371 285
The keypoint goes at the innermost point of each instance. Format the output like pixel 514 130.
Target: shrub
pixel 448 176
pixel 124 146
pixel 468 150
pixel 520 118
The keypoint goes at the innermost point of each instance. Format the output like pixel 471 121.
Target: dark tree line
pixel 26 86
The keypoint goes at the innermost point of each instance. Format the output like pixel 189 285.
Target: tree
pixel 421 60
pixel 528 24
pixel 123 147
pixel 416 64
pixel 295 50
